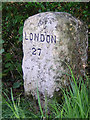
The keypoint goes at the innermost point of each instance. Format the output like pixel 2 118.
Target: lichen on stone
pixel 49 40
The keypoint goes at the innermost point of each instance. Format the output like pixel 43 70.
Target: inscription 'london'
pixel 40 37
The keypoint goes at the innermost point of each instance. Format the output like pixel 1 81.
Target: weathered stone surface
pixel 48 39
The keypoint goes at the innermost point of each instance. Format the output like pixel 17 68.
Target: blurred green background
pixel 13 16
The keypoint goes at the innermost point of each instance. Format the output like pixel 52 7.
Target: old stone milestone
pixel 49 40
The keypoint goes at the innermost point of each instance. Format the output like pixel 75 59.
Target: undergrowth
pixel 74 105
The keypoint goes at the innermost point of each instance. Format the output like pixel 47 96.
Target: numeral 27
pixel 34 51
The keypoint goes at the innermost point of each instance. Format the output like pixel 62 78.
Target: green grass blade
pixel 46 107
pixel 39 103
pixel 15 107
pixel 10 106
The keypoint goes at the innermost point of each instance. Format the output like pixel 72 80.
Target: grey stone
pixel 49 40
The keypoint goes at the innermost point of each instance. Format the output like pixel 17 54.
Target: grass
pixel 17 112
pixel 76 102
pixel 74 105
pixel 42 115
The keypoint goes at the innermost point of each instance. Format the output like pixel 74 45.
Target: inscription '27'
pixel 36 51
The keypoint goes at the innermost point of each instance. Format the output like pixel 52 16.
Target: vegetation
pixel 75 99
pixel 14 105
